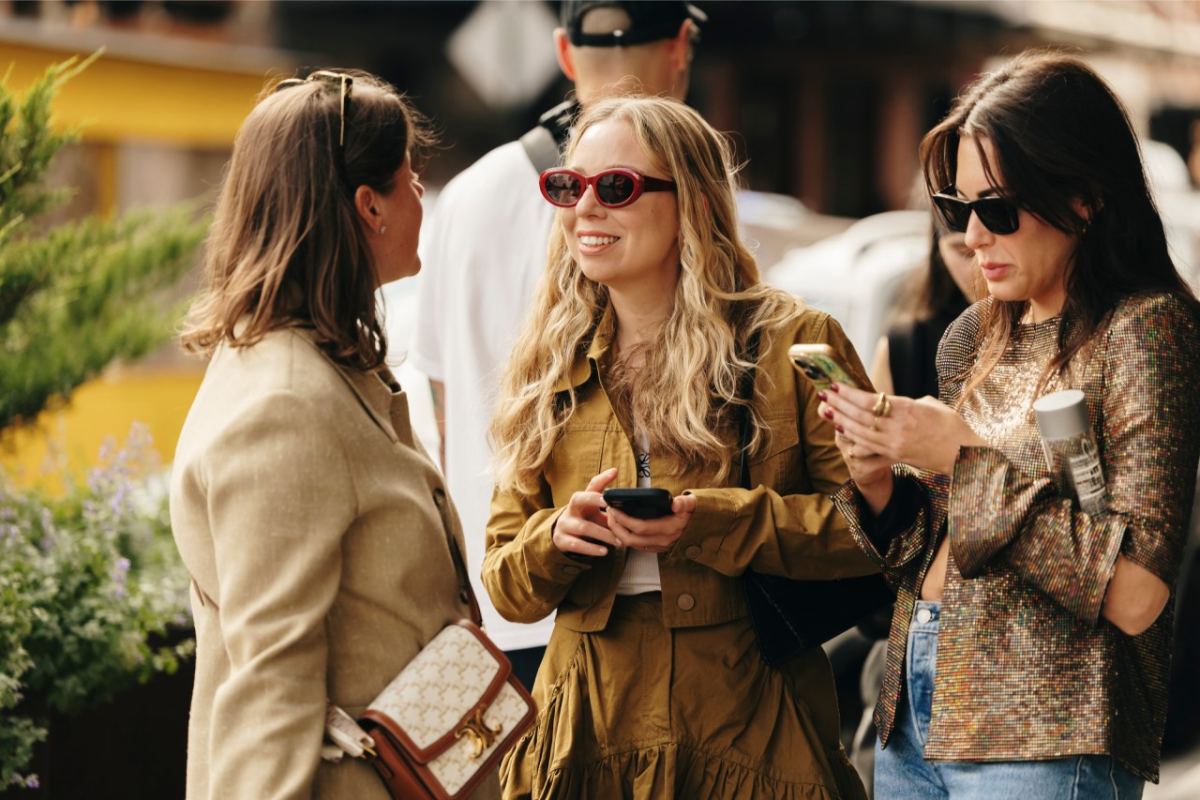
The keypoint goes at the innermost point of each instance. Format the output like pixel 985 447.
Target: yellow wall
pixel 117 98
pixel 102 408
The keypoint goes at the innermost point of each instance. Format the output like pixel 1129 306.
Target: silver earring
pixel 382 230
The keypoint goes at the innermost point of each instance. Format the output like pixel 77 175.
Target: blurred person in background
pixel 315 527
pixel 905 358
pixel 486 250
pixel 629 372
pixel 1030 649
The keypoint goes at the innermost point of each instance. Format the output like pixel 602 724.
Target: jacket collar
pixel 583 369
pixel 375 390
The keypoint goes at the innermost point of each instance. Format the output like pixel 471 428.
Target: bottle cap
pixel 1061 415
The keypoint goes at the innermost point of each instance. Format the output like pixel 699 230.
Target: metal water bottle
pixel 1070 448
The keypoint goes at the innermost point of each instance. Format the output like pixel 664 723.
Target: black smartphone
pixel 640 503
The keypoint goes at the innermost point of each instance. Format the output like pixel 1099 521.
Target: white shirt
pixel 482 252
pixel 641 569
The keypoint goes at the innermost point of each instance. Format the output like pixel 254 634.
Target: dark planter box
pixel 133 747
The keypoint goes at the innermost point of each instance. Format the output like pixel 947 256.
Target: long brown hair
pixel 287 245
pixel 1062 138
pixel 687 389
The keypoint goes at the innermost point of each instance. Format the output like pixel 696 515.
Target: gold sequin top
pixel 1026 667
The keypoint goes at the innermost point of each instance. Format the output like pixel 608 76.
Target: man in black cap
pixel 484 250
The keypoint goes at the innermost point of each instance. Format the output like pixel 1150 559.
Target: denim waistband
pixel 925 617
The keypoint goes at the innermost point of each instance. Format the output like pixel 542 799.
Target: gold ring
pixel 875 423
pixel 883 406
pixel 851 453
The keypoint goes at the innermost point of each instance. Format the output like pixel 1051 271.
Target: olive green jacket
pixel 786 525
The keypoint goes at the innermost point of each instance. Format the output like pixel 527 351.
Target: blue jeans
pixel 902 773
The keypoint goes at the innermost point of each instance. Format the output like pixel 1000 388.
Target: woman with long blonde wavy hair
pixel 628 373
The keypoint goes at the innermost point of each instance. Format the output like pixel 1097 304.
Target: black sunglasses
pixel 997 214
pixel 614 188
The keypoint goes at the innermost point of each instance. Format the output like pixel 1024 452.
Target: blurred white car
pixel 772 224
pixel 857 274
pixel 1178 203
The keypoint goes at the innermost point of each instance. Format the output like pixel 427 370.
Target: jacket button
pixel 571 570
pixel 686 602
pixel 439 497
pixel 693 551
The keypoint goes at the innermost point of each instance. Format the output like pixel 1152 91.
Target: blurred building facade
pixel 828 98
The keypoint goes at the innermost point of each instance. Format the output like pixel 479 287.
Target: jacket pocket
pixel 778 466
pixel 576 458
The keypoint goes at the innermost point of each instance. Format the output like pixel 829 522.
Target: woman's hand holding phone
pixel 654 535
pixel 925 433
pixel 871 471
pixel 589 523
pixel 582 529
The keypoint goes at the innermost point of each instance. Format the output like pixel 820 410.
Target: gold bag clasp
pixel 478 732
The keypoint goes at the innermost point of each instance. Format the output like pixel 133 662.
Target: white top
pixel 641 569
pixel 483 251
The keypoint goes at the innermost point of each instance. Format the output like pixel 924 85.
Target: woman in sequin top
pixel 1030 648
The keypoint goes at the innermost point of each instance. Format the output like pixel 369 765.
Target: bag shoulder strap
pixel 541 148
pixel 544 141
pixel 465 592
pixel 746 392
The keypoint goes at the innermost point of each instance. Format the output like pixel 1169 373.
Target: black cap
pixel 649 21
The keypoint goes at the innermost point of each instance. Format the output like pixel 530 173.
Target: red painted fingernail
pixel 828 414
pixel 835 387
pixel 821 395
pixel 839 429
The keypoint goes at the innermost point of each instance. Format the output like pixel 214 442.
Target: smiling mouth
pixel 598 241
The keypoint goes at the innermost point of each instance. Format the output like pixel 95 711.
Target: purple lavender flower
pixel 32 782
pixel 95 480
pixel 119 575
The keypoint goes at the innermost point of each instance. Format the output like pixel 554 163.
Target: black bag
pixel 791 617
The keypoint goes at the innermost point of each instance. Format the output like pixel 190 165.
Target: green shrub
pixel 87 293
pixel 86 578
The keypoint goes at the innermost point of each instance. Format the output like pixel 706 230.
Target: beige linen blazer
pixel 314 526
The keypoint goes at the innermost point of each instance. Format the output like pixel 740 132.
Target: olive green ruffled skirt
pixel 645 712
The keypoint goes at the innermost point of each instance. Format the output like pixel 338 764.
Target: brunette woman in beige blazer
pixel 313 523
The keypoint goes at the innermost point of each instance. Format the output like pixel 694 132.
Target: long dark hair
pixel 1062 139
pixel 286 243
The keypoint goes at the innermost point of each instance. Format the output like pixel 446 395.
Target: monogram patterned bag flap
pixel 446 720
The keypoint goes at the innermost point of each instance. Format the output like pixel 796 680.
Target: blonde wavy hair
pixel 286 245
pixel 686 393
